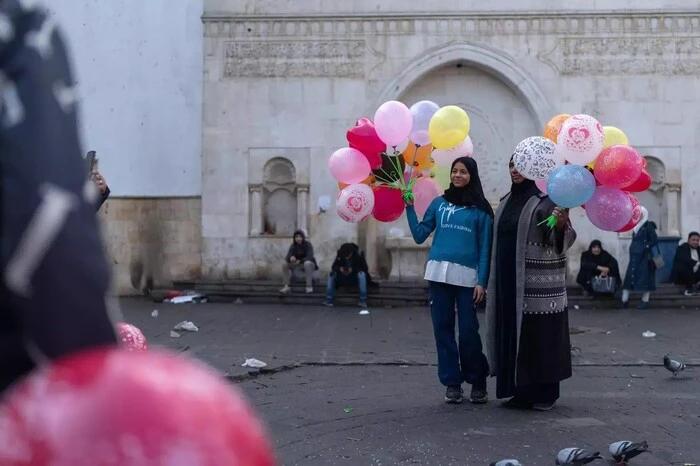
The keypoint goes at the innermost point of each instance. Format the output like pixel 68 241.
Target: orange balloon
pixel 553 126
pixel 419 159
pixel 369 181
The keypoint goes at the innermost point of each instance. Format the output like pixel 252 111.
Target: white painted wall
pixel 139 70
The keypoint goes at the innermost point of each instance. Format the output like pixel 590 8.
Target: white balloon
pixel 535 158
pixel 422 112
pixel 445 157
pixel 580 140
pixel 355 203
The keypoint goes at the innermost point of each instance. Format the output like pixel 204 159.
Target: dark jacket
pixel 589 267
pixel 53 271
pixel 356 262
pixel 683 264
pixel 641 271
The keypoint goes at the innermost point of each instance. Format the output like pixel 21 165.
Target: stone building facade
pixel 283 81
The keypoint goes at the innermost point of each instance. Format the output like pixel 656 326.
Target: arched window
pixel 279 198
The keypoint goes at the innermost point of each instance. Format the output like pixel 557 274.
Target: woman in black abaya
pixel 597 262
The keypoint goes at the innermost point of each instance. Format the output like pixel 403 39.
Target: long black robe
pixel 589 267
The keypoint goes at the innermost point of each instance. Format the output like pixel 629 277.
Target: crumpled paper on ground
pixel 254 363
pixel 187 326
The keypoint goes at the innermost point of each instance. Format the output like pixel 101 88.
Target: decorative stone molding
pixel 566 23
pixel 489 59
pixel 585 56
pixel 268 59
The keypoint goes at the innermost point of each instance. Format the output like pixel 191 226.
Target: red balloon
pixel 363 137
pixel 388 204
pixel 132 337
pixel 618 166
pixel 111 407
pixel 641 184
pixel 636 214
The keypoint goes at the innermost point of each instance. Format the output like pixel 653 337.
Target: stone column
pixel 673 194
pixel 371 245
pixel 303 209
pixel 255 209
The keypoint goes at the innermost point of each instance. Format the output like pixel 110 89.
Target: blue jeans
pixel 465 362
pixel 359 279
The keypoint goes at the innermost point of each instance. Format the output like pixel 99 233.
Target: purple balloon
pixel 610 209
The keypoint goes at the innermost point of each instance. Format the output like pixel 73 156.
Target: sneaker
pixel 643 305
pixel 544 406
pixel 362 304
pixel 688 293
pixel 453 395
pixel 286 289
pixel 328 303
pixel 309 289
pixel 479 394
pixel 625 305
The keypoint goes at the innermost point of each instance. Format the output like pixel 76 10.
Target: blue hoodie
pixel 462 235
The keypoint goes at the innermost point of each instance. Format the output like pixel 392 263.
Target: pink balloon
pixel 610 209
pixel 425 190
pixel 618 166
pixel 542 185
pixel 393 122
pixel 348 165
pixel 355 203
pixel 445 157
pixel 131 336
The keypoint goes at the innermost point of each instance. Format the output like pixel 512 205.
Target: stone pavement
pixel 381 368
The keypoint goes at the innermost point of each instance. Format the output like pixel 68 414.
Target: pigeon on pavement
pixel 673 366
pixel 576 457
pixel 625 450
pixel 506 463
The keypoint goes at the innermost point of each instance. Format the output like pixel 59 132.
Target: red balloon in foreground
pixel 112 407
pixel 642 184
pixel 388 204
pixel 131 337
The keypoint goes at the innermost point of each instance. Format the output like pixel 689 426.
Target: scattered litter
pixel 403 365
pixel 187 326
pixel 354 439
pixel 254 363
pixel 347 410
pixel 170 294
pixel 188 298
pixel 648 334
pixel 608 332
pixel 239 301
pixel 364 312
pixel 577 307
pixel 154 313
pixel 174 334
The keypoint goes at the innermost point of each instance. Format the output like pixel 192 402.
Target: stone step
pixel 389 294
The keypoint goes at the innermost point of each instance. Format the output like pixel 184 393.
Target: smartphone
pixel 91 160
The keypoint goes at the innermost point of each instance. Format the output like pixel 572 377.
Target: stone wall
pixel 160 236
pixel 276 83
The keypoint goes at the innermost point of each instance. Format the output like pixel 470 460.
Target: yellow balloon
pixel 448 127
pixel 441 175
pixel 613 137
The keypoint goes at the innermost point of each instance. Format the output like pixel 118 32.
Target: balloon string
pixel 408 195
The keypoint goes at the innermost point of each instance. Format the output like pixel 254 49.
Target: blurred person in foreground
pixel 53 273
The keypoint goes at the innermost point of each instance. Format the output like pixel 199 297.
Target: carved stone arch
pixel 279 172
pixel 489 59
pixel 657 169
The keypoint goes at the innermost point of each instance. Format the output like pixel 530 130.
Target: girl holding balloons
pixel 457 270
pixel 527 327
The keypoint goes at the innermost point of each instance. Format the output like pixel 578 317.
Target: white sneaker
pixel 285 289
pixel 309 289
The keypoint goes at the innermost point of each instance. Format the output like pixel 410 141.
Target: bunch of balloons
pixel 578 162
pixel 395 157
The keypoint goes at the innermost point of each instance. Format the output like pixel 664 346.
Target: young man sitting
pixel 349 269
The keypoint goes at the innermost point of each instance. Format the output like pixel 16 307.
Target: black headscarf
pixel 473 193
pixel 604 258
pixel 520 193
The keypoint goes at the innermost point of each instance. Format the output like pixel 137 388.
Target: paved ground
pixel 344 388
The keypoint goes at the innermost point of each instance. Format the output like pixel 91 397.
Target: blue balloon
pixel 570 186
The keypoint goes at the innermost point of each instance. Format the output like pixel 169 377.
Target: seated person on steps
pixel 686 265
pixel 300 254
pixel 349 269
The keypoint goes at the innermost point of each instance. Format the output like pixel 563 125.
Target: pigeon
pixel 506 463
pixel 625 450
pixel 576 457
pixel 673 365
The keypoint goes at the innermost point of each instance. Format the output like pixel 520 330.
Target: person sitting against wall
pixel 349 269
pixel 686 265
pixel 299 255
pixel 598 264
